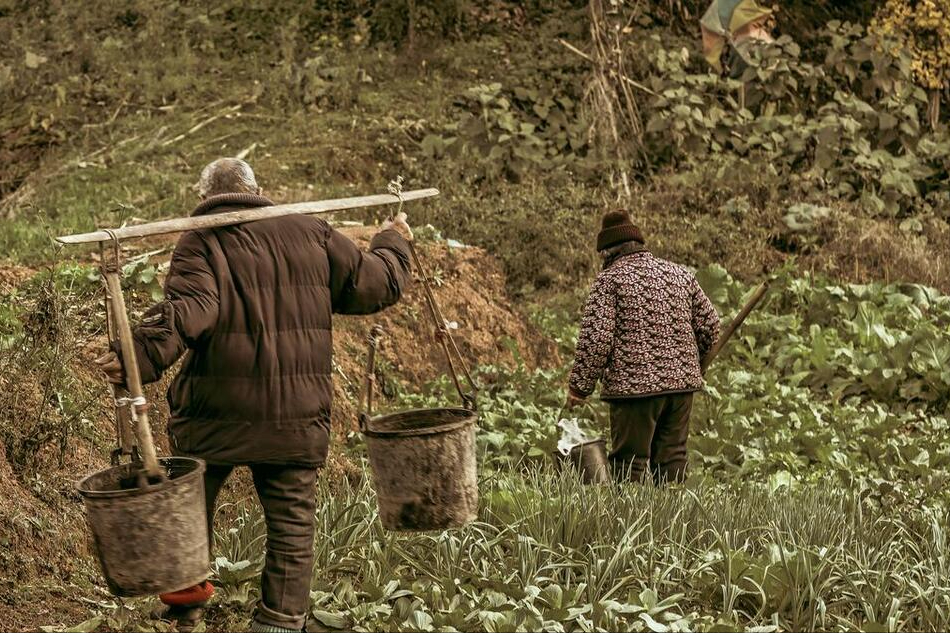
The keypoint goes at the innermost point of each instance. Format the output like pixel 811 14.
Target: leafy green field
pixel 550 554
pixel 838 384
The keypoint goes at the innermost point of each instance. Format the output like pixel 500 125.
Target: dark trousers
pixel 287 496
pixel 649 436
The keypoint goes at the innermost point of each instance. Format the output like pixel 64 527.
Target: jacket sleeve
pixel 367 282
pixel 705 320
pixel 188 313
pixel 596 338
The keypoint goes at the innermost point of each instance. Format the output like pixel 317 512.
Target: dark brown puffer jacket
pixel 251 307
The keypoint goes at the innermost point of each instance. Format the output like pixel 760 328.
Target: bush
pixel 403 21
pixel 816 120
pixel 42 402
pixel 507 131
pixel 542 229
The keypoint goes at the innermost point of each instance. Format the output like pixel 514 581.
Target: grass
pixel 712 557
pixel 817 498
pixel 328 117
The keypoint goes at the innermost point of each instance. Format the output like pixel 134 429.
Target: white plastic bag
pixel 571 435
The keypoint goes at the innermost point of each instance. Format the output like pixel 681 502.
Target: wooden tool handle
pixel 133 379
pixel 734 325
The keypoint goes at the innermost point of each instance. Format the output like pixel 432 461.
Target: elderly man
pixel 646 325
pixel 249 306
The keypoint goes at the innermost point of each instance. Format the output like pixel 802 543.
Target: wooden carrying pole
pixel 734 325
pixel 179 225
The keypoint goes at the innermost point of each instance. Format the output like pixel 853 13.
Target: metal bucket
pixel 149 540
pixel 424 468
pixel 589 459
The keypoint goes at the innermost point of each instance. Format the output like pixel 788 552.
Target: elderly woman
pixel 645 327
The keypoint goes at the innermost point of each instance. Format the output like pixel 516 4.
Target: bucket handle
pixel 445 338
pixel 442 332
pixel 375 334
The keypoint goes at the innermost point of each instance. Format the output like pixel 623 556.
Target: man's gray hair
pixel 227 175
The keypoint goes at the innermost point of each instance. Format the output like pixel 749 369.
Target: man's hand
pixel 110 364
pixel 400 225
pixel 573 399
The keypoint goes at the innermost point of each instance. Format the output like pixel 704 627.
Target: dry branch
pixel 202 124
pixel 635 84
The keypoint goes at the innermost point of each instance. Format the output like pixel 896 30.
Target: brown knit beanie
pixel 616 228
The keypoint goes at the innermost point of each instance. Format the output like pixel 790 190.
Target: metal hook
pixel 116 254
pixel 395 188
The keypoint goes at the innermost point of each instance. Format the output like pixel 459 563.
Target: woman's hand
pixel 573 399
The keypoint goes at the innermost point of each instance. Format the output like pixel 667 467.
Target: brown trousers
pixel 649 435
pixel 287 497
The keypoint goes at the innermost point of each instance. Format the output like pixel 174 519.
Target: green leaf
pixel 648 598
pixel 420 620
pixel 779 480
pixel 887 121
pixel 88 626
pixel 327 618
pixel 33 61
pixel 653 625
pixel 432 145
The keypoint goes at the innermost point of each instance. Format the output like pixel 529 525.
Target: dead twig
pixel 624 78
pixel 610 97
pixel 202 124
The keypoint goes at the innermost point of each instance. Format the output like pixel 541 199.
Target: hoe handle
pixel 730 329
pixel 133 378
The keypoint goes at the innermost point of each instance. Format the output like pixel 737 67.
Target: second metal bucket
pixel 423 460
pixel 149 540
pixel 589 459
pixel 424 468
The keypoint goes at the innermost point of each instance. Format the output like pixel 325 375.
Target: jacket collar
pixel 617 252
pixel 230 202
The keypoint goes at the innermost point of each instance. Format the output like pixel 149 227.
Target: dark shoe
pixel 185 619
pixel 259 627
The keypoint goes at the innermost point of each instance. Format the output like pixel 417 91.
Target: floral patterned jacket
pixel 646 325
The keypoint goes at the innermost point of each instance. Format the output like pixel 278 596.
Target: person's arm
pixel 188 313
pixel 367 282
pixel 595 341
pixel 705 321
